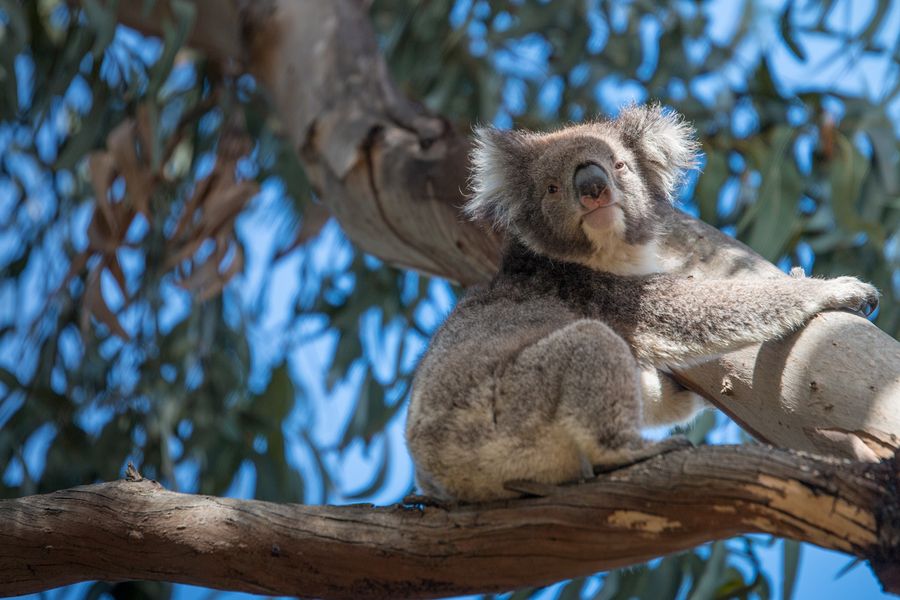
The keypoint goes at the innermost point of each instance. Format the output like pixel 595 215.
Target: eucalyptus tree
pixel 138 137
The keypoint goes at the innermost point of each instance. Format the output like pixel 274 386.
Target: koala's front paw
pixel 850 293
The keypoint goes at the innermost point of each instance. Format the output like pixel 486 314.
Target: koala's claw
pixel 852 294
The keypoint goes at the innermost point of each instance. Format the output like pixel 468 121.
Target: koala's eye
pixel 552 189
pixel 620 164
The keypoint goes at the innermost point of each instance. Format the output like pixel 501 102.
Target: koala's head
pixel 591 193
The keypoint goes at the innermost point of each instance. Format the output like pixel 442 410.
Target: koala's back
pixel 452 426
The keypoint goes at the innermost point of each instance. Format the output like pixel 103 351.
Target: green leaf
pixel 147 8
pixel 791 550
pixel 88 136
pixel 280 395
pixel 851 564
pixel 174 35
pixel 714 176
pixel 15 267
pixel 18 34
pixel 787 33
pixel 348 351
pixel 98 590
pixel 610 589
pixel 572 590
pixel 875 22
pixel 663 582
pixel 276 479
pixel 523 594
pixel 772 220
pixel 221 469
pixel 885 150
pixel 846 176
pixel 707 585
pixel 103 21
pixel 384 467
pixel 156 141
pixel 9 379
pixel 371 412
pixel 14 38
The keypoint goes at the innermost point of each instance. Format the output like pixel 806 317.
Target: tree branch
pixel 136 530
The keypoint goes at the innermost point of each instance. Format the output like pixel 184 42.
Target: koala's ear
pixel 499 159
pixel 664 144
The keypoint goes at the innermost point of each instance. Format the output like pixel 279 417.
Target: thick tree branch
pixel 137 530
pixel 832 388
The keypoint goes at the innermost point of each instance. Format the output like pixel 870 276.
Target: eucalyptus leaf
pixel 791 551
pixel 103 21
pixel 774 220
pixel 278 399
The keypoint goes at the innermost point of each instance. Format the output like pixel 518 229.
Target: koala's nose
pixel 591 180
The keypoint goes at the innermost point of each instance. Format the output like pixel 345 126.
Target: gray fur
pixel 554 364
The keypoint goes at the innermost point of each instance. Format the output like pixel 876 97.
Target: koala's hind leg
pixel 573 402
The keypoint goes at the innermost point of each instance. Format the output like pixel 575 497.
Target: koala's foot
pixel 850 293
pixel 541 490
pixel 626 457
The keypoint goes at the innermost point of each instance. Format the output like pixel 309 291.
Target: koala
pixel 548 373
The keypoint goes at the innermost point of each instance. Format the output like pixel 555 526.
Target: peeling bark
pixel 137 530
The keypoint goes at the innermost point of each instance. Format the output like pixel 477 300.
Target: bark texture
pixel 137 530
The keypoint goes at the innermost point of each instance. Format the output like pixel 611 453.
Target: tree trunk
pixel 136 530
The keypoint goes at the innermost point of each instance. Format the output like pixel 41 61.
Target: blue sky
pixel 275 287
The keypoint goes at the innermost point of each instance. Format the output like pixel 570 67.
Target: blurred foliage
pixel 101 253
pixel 128 333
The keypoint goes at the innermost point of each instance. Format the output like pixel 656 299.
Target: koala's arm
pixel 676 320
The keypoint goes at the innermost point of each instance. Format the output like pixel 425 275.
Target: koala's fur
pixel 553 367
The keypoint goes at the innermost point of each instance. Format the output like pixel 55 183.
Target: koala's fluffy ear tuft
pixel 664 143
pixel 498 159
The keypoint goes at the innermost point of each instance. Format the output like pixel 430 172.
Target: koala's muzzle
pixel 592 182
